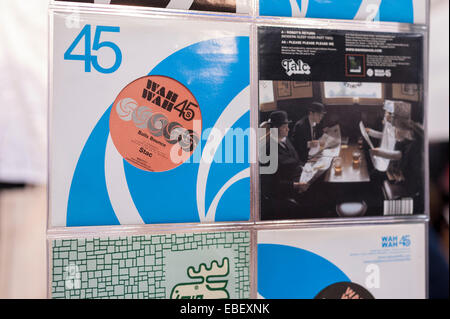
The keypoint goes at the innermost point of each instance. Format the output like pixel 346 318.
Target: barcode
pixel 404 206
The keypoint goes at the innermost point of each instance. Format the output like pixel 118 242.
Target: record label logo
pixel 155 123
pixel 293 67
pixel 344 290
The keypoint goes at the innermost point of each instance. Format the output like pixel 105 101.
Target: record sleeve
pixel 346 262
pixel 342 132
pixel 230 6
pixel 212 265
pixel 405 11
pixel 149 121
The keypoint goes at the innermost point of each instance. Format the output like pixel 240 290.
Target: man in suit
pixel 307 130
pixel 280 188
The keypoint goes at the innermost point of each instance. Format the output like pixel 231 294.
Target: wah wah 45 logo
pixel 396 241
pixel 210 283
pixel 298 67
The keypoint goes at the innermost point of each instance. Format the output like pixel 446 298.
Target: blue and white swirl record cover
pixel 407 11
pixel 347 262
pixel 149 120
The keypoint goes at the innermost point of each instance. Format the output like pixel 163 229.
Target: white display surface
pixel 387 260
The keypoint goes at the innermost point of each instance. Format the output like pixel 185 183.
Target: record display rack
pixel 238 149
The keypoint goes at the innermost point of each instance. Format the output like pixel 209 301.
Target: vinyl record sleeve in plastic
pixel 405 11
pixel 348 107
pixel 149 121
pixel 211 265
pixel 230 6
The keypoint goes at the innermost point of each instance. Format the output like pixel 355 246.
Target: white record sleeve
pixel 380 261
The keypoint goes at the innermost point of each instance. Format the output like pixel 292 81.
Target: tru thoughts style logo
pixel 298 67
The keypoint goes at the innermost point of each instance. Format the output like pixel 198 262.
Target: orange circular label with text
pixel 155 123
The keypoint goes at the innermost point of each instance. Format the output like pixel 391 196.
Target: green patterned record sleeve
pixel 180 266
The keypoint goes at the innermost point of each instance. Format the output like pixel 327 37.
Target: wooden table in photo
pixel 350 173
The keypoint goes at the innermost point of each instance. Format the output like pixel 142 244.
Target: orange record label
pixel 155 123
